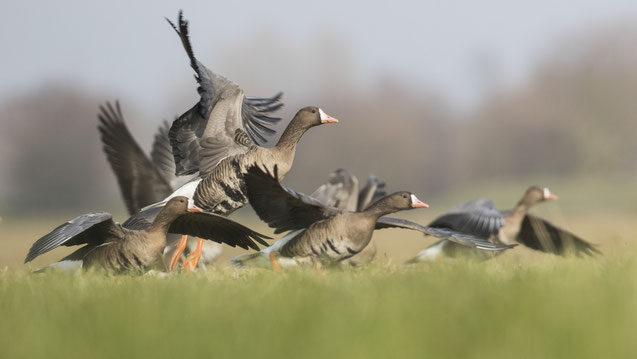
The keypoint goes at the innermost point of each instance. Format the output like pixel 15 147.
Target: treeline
pixel 575 115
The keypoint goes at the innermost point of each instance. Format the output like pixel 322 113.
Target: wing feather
pixel 460 238
pixel 219 229
pixel 340 191
pixel 212 122
pixel 140 181
pixel 282 208
pixel 477 217
pixel 90 228
pixel 539 234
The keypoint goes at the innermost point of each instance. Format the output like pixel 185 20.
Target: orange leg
pixel 178 251
pixel 193 258
pixel 275 263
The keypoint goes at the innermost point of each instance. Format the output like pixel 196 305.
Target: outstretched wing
pixel 340 191
pixel 162 153
pixel 477 217
pixel 539 234
pixel 374 190
pixel 460 238
pixel 219 229
pixel 88 228
pixel 139 180
pixel 256 113
pixel 204 135
pixel 203 225
pixel 281 208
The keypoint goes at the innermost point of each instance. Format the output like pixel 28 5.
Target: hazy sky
pixel 459 48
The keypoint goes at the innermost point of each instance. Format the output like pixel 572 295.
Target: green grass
pixel 552 308
pixel 523 304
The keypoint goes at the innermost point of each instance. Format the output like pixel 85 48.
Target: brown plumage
pixel 482 219
pixel 327 234
pixel 223 190
pixel 110 246
pixel 341 191
pixel 221 136
pixel 222 122
pixel 143 180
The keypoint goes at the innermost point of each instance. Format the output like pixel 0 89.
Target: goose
pixel 325 235
pixel 481 218
pixel 222 122
pixel 211 138
pixel 143 180
pixel 341 191
pixel 118 249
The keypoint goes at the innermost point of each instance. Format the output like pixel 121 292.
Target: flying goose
pixel 224 121
pixel 117 249
pixel 481 219
pixel 225 151
pixel 326 234
pixel 143 181
pixel 341 191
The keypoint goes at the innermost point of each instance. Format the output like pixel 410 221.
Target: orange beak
pixel 329 119
pixel 325 118
pixel 548 196
pixel 416 203
pixel 193 208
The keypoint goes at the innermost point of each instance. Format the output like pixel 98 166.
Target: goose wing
pixel 205 134
pixel 282 208
pixel 478 217
pixel 90 228
pixel 218 229
pixel 374 189
pixel 140 181
pixel 162 153
pixel 539 234
pixel 340 191
pixel 442 233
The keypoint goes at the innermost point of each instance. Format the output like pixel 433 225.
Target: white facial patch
pixel 191 204
pixel 547 193
pixel 323 115
pixel 414 199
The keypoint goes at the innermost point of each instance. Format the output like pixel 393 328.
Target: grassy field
pixel 522 304
pixel 555 308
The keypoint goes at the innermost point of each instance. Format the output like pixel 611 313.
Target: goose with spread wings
pixel 119 248
pixel 327 234
pixel 144 181
pixel 224 154
pixel 223 122
pixel 482 219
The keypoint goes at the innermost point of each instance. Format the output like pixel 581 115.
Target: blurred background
pixel 451 100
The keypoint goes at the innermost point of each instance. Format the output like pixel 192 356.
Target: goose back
pixel 223 191
pixel 334 239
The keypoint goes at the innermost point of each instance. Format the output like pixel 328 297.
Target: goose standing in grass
pixel 322 234
pixel 219 137
pixel 143 180
pixel 341 191
pixel 481 219
pixel 118 249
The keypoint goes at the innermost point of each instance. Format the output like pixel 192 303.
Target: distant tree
pixel 53 159
pixel 576 114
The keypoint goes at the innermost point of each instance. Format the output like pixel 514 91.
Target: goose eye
pixel 404 196
pixel 181 200
pixel 313 111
